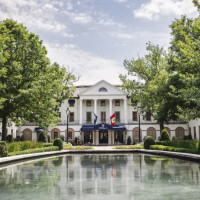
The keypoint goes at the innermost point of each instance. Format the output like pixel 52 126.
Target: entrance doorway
pixel 88 137
pixel 103 137
pixel 118 137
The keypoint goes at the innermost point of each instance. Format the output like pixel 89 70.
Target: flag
pixel 95 119
pixel 112 120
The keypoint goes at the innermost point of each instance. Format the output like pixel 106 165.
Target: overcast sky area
pixel 93 37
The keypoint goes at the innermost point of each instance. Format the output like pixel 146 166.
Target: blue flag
pixel 95 119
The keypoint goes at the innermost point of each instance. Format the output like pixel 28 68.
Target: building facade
pixel 89 119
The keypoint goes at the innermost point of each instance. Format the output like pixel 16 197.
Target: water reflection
pixel 101 176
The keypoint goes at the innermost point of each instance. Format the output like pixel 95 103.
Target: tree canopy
pixel 168 83
pixel 31 88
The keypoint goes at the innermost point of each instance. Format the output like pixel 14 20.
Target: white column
pixel 95 106
pixel 81 103
pixel 125 113
pixel 111 107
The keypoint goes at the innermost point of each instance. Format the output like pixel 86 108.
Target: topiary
pixel 129 140
pixel 9 138
pixel 164 135
pixel 148 141
pixel 3 149
pixel 42 137
pixel 59 143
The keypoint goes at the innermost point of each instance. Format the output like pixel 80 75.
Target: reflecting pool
pixel 101 176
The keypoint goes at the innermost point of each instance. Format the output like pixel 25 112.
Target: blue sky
pixel 91 38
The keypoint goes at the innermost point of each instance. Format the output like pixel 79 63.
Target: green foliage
pixel 189 144
pixel 3 149
pixel 199 147
pixel 17 139
pixel 22 138
pixel 39 86
pixel 136 146
pixel 176 149
pixel 164 135
pixel 59 143
pixel 42 137
pixel 21 146
pixel 151 86
pixel 129 140
pixel 36 150
pixel 9 138
pixel 148 141
pixel 62 137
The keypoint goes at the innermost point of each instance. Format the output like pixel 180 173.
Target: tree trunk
pixel 161 127
pixel 4 127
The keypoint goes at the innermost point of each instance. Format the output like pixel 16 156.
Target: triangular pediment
pixel 102 88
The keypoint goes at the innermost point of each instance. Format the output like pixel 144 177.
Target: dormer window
pixel 102 89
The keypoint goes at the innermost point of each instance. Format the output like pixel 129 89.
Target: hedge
pixel 21 146
pixel 175 149
pixel 36 150
pixel 188 144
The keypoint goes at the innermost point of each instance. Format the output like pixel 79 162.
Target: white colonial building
pixel 103 99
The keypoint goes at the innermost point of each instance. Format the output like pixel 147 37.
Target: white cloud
pixel 156 8
pixel 80 18
pixel 37 15
pixel 123 36
pixel 90 67
pixel 121 1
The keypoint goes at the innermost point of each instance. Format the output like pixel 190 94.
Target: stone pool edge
pixel 20 158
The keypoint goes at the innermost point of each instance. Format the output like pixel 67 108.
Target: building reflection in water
pixel 123 176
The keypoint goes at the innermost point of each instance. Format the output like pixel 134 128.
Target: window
pixel 71 117
pixel 71 102
pixel 69 135
pixel 103 117
pixel 117 116
pixel 88 117
pixel 88 103
pixel 117 102
pixel 102 89
pixel 134 116
pixel 103 102
pixel 148 116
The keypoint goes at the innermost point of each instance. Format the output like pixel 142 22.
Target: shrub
pixel 22 138
pixel 9 138
pixel 199 147
pixel 173 138
pixel 190 144
pixel 62 137
pixel 36 150
pixel 42 137
pixel 129 140
pixel 59 143
pixel 148 141
pixel 164 135
pixel 17 138
pixel 3 149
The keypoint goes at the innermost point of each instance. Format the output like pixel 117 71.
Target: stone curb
pixel 20 158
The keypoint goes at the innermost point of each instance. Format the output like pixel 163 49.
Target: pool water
pixel 101 176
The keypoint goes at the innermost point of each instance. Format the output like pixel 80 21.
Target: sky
pixel 91 38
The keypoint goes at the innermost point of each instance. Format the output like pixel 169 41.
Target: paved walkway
pixel 98 149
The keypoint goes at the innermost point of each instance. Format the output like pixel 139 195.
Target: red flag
pixel 112 120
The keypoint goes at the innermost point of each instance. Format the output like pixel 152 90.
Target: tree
pixel 31 88
pixel 185 62
pixel 150 87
